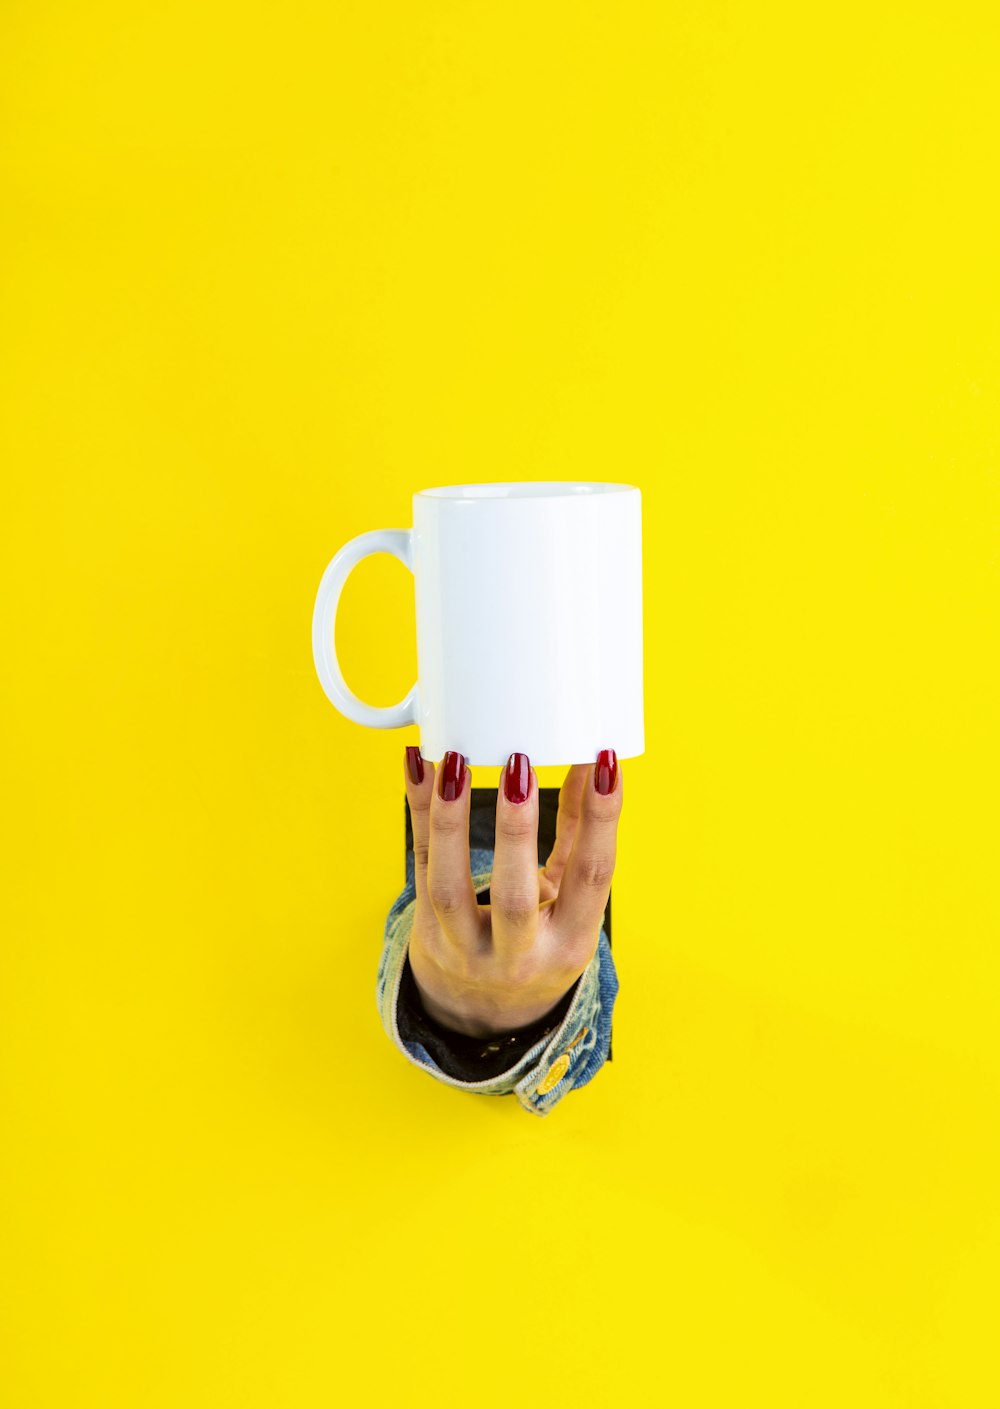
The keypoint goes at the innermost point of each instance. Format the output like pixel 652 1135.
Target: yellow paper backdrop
pixel 269 269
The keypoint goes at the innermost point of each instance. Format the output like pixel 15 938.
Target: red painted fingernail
pixel 452 776
pixel 606 772
pixel 517 779
pixel 414 763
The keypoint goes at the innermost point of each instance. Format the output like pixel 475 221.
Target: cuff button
pixel 554 1075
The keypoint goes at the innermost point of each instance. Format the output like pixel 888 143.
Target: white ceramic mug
pixel 529 622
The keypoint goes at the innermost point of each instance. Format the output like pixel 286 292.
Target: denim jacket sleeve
pixel 558 1063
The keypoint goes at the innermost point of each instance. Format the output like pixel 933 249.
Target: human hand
pixel 485 969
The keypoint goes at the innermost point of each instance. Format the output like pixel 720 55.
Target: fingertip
pixel 606 772
pixel 414 765
pixel 454 778
pixel 515 780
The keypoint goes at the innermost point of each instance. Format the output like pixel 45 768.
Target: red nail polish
pixel 414 763
pixel 606 772
pixel 453 772
pixel 517 779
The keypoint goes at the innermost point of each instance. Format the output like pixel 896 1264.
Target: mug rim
pixel 560 489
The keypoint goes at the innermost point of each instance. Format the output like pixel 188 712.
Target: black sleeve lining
pixel 463 1057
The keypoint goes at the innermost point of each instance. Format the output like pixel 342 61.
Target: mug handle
pixel 398 542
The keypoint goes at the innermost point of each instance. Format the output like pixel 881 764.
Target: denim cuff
pixel 559 1062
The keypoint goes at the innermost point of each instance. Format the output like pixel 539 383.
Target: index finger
pixel 578 910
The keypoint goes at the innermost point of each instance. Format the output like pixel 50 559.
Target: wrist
pixel 495 1022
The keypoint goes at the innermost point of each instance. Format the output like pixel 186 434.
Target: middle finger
pixel 514 883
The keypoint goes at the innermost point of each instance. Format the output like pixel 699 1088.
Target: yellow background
pixel 269 269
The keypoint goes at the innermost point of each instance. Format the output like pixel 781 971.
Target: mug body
pixel 529 621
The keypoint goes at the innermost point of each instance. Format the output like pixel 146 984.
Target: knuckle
pixel 516 827
pixel 446 900
pixel 420 805
pixel 448 820
pixel 597 872
pixel 517 909
pixel 421 854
